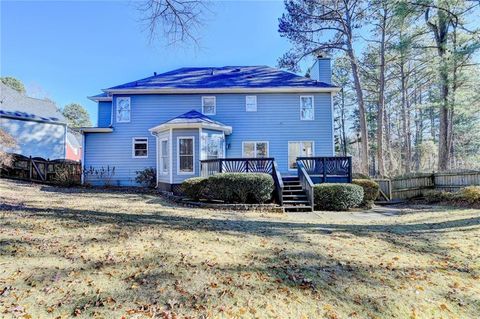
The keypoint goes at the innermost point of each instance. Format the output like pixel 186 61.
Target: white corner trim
pixel 333 124
pixel 313 105
pixel 82 177
pixel 133 146
pixel 178 155
pixel 170 155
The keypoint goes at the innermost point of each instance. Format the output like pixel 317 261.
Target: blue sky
pixel 67 50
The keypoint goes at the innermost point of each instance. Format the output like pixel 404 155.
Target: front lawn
pixel 106 254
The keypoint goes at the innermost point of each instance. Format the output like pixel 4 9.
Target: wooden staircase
pixel 294 197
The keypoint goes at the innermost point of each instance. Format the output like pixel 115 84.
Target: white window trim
pixel 268 147
pixel 178 155
pixel 288 152
pixel 133 147
pixel 215 104
pixel 313 105
pixel 162 156
pixel 130 109
pixel 256 103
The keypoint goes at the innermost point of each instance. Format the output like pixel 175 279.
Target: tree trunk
pixel 381 98
pixel 403 78
pixel 361 111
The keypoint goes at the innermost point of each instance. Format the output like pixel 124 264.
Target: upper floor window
pixel 209 105
pixel 140 147
pixel 307 110
pixel 123 109
pixel 251 103
pixel 255 149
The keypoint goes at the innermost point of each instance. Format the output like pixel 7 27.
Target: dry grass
pixel 89 253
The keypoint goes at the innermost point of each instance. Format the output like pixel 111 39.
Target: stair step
pixel 290 201
pixel 291 183
pixel 299 195
pixel 293 192
pixel 289 178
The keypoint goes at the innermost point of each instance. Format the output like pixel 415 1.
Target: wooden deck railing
pixel 332 169
pixel 236 165
pixel 307 183
pixel 245 165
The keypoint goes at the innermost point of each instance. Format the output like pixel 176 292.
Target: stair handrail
pixel 306 183
pixel 277 178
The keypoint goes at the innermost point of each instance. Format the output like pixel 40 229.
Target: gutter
pixel 224 90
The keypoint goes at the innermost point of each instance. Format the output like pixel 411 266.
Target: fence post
pixel 30 167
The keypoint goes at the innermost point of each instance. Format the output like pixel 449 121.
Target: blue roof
pixel 224 78
pixel 192 117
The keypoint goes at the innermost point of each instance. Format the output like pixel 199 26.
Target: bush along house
pixel 202 121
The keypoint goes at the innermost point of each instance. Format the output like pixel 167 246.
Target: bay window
pixel 186 155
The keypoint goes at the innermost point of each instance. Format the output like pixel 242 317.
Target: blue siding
pixel 36 139
pixel 322 70
pixel 104 114
pixel 277 120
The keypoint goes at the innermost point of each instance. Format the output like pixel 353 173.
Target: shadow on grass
pixel 253 227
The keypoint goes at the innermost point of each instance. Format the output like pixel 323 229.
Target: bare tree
pixel 178 21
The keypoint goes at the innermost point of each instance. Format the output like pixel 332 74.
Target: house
pixel 180 120
pixel 38 127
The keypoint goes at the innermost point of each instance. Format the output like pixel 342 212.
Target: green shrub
pixel 370 191
pixel 241 187
pixel 471 194
pixel 360 176
pixel 195 188
pixel 230 187
pixel 338 196
pixel 147 177
pixel 436 196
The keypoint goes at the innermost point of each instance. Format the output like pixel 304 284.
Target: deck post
pixel 324 170
pixel 220 163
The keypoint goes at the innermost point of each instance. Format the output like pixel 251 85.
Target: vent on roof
pixel 154 73
pixel 212 72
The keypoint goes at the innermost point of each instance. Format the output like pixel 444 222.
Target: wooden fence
pixel 38 169
pixel 414 186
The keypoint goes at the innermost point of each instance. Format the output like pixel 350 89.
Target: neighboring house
pixel 38 127
pixel 173 120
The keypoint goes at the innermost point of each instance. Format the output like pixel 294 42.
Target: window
pixel 186 146
pixel 307 112
pixel 255 149
pixel 140 147
pixel 212 146
pixel 123 109
pixel 251 103
pixel 298 149
pixel 209 105
pixel 164 157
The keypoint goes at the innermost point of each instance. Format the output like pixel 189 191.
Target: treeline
pixel 410 76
